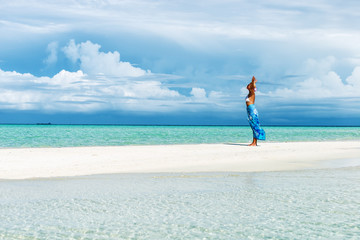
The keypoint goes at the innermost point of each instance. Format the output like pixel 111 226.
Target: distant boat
pixel 49 123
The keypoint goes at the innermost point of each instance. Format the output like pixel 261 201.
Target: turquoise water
pixel 97 135
pixel 308 204
pixel 311 204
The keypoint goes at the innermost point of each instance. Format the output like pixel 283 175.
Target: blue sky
pixel 179 62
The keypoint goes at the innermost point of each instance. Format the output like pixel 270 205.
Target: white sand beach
pixel 24 163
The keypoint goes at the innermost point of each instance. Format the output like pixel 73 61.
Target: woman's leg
pixel 254 143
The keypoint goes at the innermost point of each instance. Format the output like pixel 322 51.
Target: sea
pixel 15 136
pixel 304 204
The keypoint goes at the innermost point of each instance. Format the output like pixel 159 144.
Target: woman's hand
pixel 254 80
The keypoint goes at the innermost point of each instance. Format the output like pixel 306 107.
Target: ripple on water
pixel 290 205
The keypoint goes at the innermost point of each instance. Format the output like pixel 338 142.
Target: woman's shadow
pixel 237 144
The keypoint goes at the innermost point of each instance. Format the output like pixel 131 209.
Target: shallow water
pixel 106 135
pixel 311 204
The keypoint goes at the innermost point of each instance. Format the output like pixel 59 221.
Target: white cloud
pixel 198 93
pixel 29 26
pixel 212 100
pixel 354 79
pixel 102 83
pixel 191 24
pixel 52 49
pixel 354 60
pixel 67 79
pixel 244 91
pixel 324 83
pixel 77 91
pixel 94 62
pixel 277 34
pixel 320 67
pixel 72 51
pixel 216 95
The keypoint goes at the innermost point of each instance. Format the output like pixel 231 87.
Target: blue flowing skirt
pixel 253 119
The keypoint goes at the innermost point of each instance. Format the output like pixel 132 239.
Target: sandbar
pixel 28 163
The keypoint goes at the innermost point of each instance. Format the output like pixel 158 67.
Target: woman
pixel 258 132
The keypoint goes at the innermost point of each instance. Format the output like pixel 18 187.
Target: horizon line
pixel 165 125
